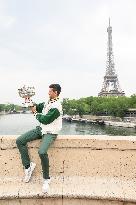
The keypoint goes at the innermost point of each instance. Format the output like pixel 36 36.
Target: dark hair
pixel 56 87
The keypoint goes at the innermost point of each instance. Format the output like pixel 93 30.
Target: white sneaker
pixel 29 171
pixel 46 184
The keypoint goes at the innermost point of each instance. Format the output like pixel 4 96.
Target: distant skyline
pixel 65 41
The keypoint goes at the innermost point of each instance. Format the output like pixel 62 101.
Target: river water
pixel 16 124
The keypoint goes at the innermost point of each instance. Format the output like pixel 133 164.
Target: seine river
pixel 16 124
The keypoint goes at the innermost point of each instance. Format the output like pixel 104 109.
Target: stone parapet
pixel 97 168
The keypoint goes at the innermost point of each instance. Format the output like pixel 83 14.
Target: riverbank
pixel 101 120
pixel 16 112
pixel 121 124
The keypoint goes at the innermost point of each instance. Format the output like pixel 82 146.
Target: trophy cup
pixel 27 93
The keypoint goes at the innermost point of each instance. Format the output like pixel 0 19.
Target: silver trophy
pixel 27 93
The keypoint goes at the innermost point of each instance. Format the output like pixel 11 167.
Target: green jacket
pixel 52 114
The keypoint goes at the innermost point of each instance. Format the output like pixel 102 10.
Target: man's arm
pixel 39 107
pixel 52 114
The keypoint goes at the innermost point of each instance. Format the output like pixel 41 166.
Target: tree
pixel 114 106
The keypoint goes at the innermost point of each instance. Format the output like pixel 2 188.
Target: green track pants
pixel 47 140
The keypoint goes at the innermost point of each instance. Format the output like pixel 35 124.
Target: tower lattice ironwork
pixel 110 85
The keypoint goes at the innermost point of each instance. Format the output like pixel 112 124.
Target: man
pixel 50 118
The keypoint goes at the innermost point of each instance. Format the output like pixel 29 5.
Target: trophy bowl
pixel 27 93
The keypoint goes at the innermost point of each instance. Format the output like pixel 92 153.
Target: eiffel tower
pixel 110 85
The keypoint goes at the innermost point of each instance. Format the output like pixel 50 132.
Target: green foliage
pixel 2 107
pixel 9 107
pixel 114 106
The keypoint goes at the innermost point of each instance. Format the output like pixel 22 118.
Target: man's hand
pixel 33 109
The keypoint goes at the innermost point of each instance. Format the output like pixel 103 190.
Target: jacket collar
pixel 53 100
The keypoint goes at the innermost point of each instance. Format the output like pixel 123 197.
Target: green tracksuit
pixel 46 138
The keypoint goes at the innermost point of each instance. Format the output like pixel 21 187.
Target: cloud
pixel 7 22
pixel 65 42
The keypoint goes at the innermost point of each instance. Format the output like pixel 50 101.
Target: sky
pixel 65 41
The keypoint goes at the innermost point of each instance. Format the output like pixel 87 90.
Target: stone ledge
pixel 100 169
pixel 78 141
pixel 91 188
pixel 101 156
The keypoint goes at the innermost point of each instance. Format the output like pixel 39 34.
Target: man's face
pixel 52 94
